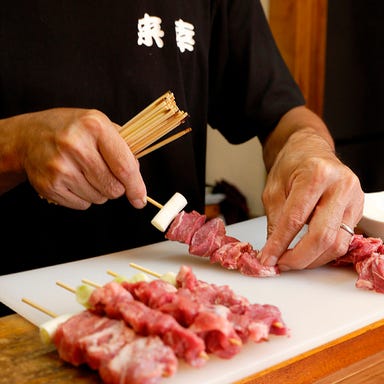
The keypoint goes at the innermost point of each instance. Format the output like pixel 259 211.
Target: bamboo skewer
pixel 113 274
pixel 149 125
pixel 39 307
pixel 154 202
pixel 163 142
pixel 65 286
pixel 150 137
pixel 143 269
pixel 164 101
pixel 91 283
pixel 142 128
pixel 153 122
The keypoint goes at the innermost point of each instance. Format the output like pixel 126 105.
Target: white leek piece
pixel 48 329
pixel 169 211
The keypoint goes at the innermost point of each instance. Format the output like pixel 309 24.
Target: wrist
pixel 12 172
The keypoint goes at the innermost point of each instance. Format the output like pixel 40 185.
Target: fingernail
pixel 262 258
pixel 284 268
pixel 139 203
pixel 271 261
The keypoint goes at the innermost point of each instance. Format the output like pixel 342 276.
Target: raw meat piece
pixel 251 321
pixel 241 256
pixel 208 238
pixel 146 361
pixel 109 346
pixel 115 301
pixel 184 226
pixel 366 254
pixel 208 321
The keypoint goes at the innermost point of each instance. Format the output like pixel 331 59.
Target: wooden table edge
pixel 305 368
pixel 324 360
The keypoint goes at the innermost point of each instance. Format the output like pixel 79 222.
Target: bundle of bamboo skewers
pixel 147 127
pixel 152 123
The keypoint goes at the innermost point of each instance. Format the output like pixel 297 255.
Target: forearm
pixel 11 170
pixel 298 124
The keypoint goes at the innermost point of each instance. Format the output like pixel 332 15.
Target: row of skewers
pixel 159 320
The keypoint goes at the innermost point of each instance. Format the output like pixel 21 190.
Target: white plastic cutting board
pixel 317 305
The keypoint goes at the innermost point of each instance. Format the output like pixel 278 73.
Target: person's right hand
pixel 75 157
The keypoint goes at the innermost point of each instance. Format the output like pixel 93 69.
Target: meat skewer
pixel 110 347
pixel 114 301
pixel 157 119
pixel 117 331
pixel 251 321
pixel 366 254
pixel 209 321
pixel 209 239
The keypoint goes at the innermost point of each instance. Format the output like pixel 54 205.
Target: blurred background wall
pixel 354 87
pixel 334 50
pixel 241 165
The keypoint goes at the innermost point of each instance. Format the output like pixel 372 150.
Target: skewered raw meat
pixel 116 302
pixel 116 351
pixel 208 321
pixel 252 321
pixel 134 331
pixel 214 312
pixel 209 239
pixel 366 254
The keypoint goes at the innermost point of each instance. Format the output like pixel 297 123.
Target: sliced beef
pixel 366 254
pixel 241 256
pixel 208 238
pixel 113 299
pixel 115 350
pixel 184 225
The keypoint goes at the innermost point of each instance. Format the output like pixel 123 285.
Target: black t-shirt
pixel 217 57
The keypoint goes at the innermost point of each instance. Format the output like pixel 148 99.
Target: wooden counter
pixel 354 358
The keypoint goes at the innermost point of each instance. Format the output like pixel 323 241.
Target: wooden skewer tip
pixel 39 307
pixel 65 286
pixel 91 283
pixel 114 274
pixel 140 268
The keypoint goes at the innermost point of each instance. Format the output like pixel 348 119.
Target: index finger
pixel 124 165
pixel 298 207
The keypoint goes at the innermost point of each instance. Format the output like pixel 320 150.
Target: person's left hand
pixel 309 184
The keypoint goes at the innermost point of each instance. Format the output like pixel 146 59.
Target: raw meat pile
pixel 209 239
pixel 136 332
pixel 367 256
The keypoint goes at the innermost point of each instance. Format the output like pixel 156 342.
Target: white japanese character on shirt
pixel 184 35
pixel 149 30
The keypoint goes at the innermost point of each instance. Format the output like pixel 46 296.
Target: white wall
pixel 241 165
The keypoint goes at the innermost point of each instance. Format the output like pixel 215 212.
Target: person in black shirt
pixel 72 72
